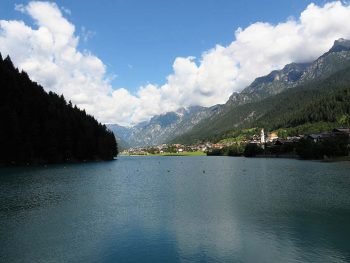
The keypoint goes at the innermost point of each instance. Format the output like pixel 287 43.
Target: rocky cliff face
pixel 337 58
pixel 271 84
pixel 277 80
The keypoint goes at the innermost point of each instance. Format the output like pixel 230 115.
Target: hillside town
pixel 264 140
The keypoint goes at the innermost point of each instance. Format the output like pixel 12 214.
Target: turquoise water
pixel 176 209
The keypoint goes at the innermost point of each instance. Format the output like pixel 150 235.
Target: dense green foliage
pixel 252 150
pixel 307 128
pixel 333 146
pixel 324 101
pixel 330 147
pixel 233 150
pixel 331 105
pixel 40 127
pixel 239 135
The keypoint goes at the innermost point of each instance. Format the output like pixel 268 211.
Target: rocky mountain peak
pixel 339 45
pixel 181 112
pixel 294 74
pixel 342 42
pixel 276 81
pixel 162 128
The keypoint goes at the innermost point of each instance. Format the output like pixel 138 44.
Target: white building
pixel 262 137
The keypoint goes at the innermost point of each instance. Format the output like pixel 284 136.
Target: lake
pixel 176 209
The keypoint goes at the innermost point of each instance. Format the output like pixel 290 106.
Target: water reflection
pixel 168 210
pixel 251 219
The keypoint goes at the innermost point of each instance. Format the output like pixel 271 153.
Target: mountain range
pixel 242 109
pixel 161 128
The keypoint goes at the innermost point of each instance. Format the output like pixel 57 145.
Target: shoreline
pixel 186 154
pixel 44 164
pixel 294 157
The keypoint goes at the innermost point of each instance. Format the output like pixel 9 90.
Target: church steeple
pixel 262 136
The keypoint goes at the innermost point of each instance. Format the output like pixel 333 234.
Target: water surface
pixel 176 209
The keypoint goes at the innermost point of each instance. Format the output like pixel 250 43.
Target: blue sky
pixel 125 61
pixel 138 40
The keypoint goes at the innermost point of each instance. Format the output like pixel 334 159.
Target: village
pixel 263 140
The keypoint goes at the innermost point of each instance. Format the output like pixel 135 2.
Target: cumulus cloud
pixel 49 53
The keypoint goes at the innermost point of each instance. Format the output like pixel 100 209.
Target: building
pixel 262 137
pixel 271 137
pixel 217 146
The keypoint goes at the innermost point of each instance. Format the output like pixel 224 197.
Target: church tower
pixel 262 136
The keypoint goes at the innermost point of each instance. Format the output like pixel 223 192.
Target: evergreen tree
pixel 40 127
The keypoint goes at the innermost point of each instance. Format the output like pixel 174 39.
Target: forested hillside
pixel 298 94
pixel 40 127
pixel 319 101
pixel 332 106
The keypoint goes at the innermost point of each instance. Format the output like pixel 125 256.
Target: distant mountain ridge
pixel 162 128
pixel 245 108
pixel 169 126
pixel 338 46
pixel 295 74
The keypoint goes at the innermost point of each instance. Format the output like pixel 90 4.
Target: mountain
pixel 162 128
pixel 278 92
pixel 197 123
pixel 294 74
pixel 271 84
pixel 339 46
pixel 40 127
pixel 121 134
pixel 337 58
pixel 278 80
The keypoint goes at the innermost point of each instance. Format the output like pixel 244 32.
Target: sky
pixel 125 61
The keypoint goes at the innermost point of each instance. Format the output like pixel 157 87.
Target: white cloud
pixel 49 53
pixel 87 34
pixel 66 10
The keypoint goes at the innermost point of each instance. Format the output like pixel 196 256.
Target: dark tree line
pixel 330 147
pixel 40 127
